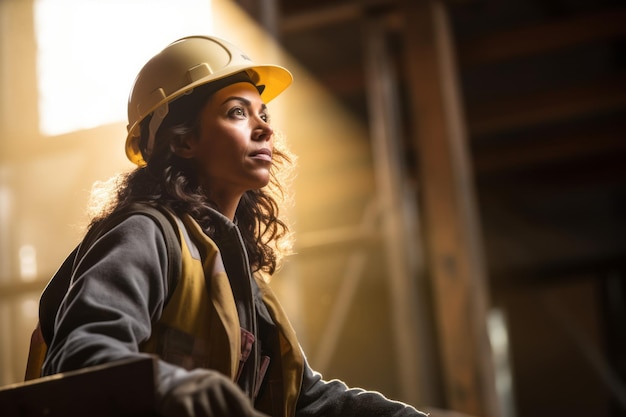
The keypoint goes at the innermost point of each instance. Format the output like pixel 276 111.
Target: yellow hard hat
pixel 184 65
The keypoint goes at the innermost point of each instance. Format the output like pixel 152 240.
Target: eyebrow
pixel 245 101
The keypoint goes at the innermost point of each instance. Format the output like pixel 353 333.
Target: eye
pixel 237 112
pixel 265 117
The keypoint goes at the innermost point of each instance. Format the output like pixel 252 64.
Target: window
pixel 89 52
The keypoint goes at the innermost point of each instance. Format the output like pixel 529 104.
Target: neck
pixel 228 210
pixel 226 204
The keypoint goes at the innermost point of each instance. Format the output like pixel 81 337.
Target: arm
pixel 334 398
pixel 117 291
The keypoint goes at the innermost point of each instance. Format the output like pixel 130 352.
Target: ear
pixel 183 146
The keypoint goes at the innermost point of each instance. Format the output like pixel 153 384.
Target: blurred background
pixel 461 188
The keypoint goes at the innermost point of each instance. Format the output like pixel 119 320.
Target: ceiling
pixel 544 92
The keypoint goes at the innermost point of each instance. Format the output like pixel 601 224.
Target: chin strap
pixel 157 118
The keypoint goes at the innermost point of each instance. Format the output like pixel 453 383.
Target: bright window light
pixel 28 263
pixel 89 52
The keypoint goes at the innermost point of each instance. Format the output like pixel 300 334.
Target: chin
pixel 264 181
pixel 259 185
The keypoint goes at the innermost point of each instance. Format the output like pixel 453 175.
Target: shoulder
pixel 133 241
pixel 132 226
pixel 139 218
pixel 132 233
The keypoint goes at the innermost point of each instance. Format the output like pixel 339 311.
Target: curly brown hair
pixel 169 181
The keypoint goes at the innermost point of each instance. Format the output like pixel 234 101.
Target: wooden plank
pixel 453 238
pixel 117 389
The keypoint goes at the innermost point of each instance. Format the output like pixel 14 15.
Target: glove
pixel 207 393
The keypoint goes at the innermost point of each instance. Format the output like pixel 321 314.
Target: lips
pixel 263 154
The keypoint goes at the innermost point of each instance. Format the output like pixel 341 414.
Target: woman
pixel 207 160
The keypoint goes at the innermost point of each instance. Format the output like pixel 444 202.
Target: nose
pixel 263 131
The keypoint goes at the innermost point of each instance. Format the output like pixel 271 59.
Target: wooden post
pixel 408 316
pixel 453 238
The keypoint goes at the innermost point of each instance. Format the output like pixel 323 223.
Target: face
pixel 233 150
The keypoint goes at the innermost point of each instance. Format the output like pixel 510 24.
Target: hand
pixel 207 394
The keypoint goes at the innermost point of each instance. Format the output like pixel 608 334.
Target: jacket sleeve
pixel 333 398
pixel 117 291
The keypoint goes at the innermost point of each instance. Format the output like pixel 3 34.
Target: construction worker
pixel 175 263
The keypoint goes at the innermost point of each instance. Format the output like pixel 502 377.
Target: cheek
pixel 219 152
pixel 222 142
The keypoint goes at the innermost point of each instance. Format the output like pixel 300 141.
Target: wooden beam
pixel 319 18
pixel 522 111
pixel 13 290
pixel 345 81
pixel 453 239
pixel 554 145
pixel 525 41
